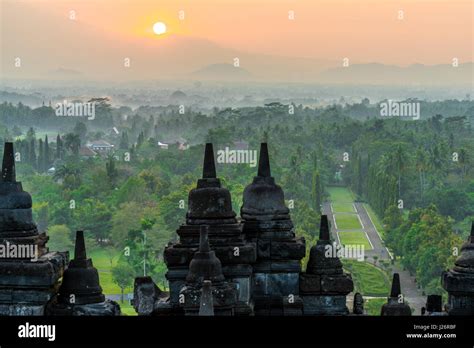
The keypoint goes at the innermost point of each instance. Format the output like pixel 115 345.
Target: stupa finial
pixel 396 289
pixel 264 161
pixel 8 166
pixel 209 167
pixel 324 228
pixel 80 247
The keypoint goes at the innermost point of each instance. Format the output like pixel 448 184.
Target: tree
pixel 59 149
pixel 421 166
pixel 93 216
pixel 32 155
pixel 464 162
pixel 122 275
pixel 72 142
pixel 400 164
pixel 316 191
pixel 31 134
pixel 111 170
pixel 40 165
pixel 59 238
pixel 80 129
pixel 70 175
pixel 47 156
pixel 127 217
pixel 124 141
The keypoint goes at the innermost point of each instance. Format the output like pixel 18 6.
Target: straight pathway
pixel 409 288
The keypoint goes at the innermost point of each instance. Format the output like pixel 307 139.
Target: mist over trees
pixel 417 175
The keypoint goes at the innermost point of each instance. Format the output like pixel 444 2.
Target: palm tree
pixel 421 166
pixel 399 159
pixel 72 142
pixel 69 174
pixel 464 161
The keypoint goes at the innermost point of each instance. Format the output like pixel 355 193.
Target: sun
pixel 159 28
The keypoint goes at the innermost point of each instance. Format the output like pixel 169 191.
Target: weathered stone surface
pixel 206 306
pixel 396 305
pixel 434 303
pixel 358 305
pixel 310 283
pixel 325 305
pixel 80 292
pixel 146 296
pixel 210 204
pixel 324 285
pixel 206 267
pixel 275 285
pixel 27 282
pixel 21 309
pixel 459 281
pixel 274 249
pixel 267 223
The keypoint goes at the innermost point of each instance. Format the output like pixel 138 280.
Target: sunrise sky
pixel 431 32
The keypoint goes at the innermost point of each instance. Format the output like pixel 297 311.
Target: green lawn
pixel 373 306
pixel 101 260
pixel 340 194
pixel 354 238
pixel 375 219
pixel 347 222
pixel 126 308
pixel 368 279
pixel 339 207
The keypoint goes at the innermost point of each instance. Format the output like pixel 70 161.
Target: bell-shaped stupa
pixel 267 223
pixel 29 273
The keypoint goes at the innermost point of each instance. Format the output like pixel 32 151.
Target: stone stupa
pixel 459 281
pixel 29 273
pixel 396 305
pixel 267 223
pixel 210 204
pixel 324 286
pixel 80 292
pixel 205 283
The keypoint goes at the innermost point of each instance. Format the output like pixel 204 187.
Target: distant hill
pixel 375 73
pixel 222 72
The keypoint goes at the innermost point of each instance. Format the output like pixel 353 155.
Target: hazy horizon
pixel 270 42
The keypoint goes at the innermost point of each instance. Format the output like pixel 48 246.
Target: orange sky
pixel 432 32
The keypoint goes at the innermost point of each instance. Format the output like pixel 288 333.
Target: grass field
pixel 368 279
pixel 373 306
pixel 101 258
pixel 340 194
pixel 347 222
pixel 375 219
pixel 354 238
pixel 126 308
pixel 339 207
